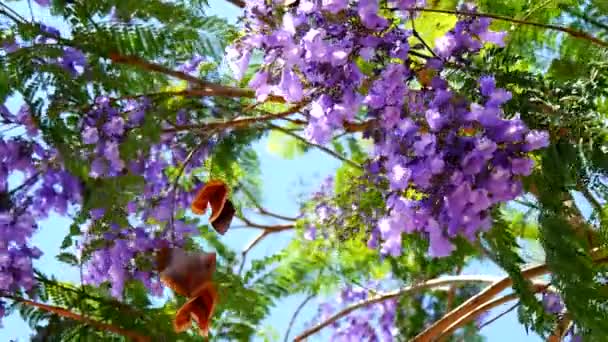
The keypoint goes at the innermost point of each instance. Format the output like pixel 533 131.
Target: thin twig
pixel 320 147
pixel 249 246
pixel 417 35
pixel 567 30
pixel 590 198
pixel 295 315
pixel 261 209
pixel 175 184
pixel 434 283
pixel 237 3
pixel 29 4
pixel 500 315
pixel 271 228
pixel 255 241
pixel 28 182
pixel 136 336
pixel 236 123
pixel 14 16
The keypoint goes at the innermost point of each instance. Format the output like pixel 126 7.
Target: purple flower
pixel 90 135
pixel 115 126
pixel 318 131
pixel 311 233
pixel 522 166
pixel 368 12
pixel 536 140
pixel 73 60
pixel 445 45
pixel 497 38
pixel 98 168
pixel 191 65
pixel 43 3
pixel 334 6
pixel 10 46
pixel 552 302
pixel 487 84
pixel 290 86
pixel 98 213
pixel 398 174
pixel 238 61
pixel 434 119
pixel 439 245
pixel 259 82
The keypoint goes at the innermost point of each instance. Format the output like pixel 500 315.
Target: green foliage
pixel 558 82
pixel 284 145
pixel 502 243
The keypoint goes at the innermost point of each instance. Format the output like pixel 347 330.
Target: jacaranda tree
pixel 465 131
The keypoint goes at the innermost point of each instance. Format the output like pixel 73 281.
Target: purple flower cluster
pixel 552 302
pixel 461 158
pixel 448 159
pixel 72 60
pixel 372 323
pixel 105 129
pixel 116 263
pixel 323 210
pixel 45 187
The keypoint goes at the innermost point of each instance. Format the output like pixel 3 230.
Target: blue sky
pixel 283 181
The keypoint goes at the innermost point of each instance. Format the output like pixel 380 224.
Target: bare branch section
pixel 270 228
pixel 237 3
pixel 261 209
pixel 135 336
pixel 295 315
pixel 462 321
pixel 434 283
pixel 473 303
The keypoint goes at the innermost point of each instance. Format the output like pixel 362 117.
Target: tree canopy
pixel 464 132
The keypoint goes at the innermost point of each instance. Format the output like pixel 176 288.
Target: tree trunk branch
pixel 136 336
pixel 448 280
pixel 435 330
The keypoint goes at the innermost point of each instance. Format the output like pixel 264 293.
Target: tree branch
pixel 261 209
pixel 295 315
pixel 136 336
pixel 320 147
pixel 479 310
pixel 567 30
pixel 266 230
pixel 500 315
pixel 236 123
pixel 203 88
pixel 561 329
pixel 271 228
pixel 482 297
pixel 237 3
pixel 448 280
